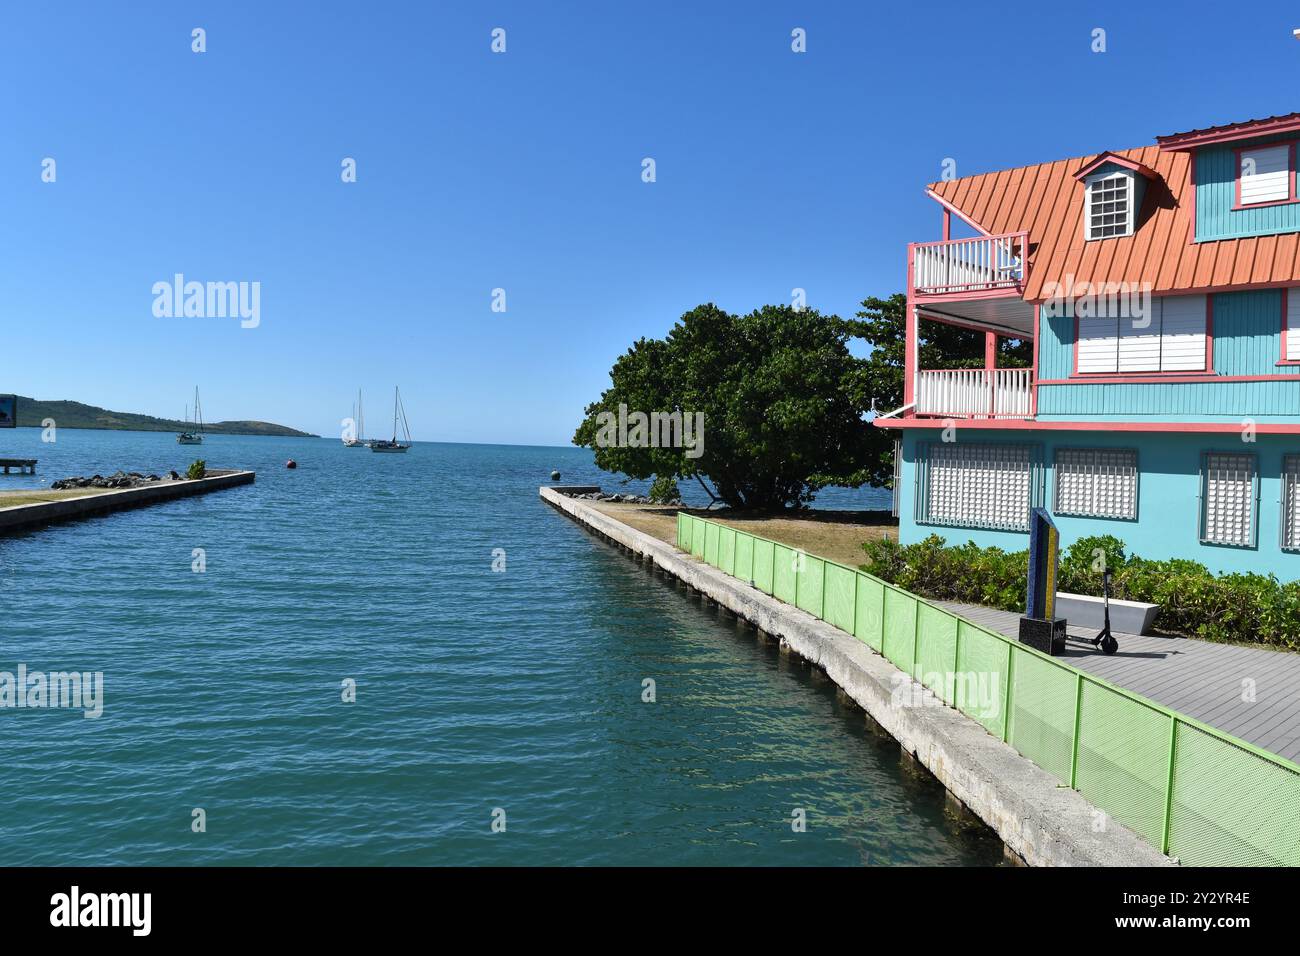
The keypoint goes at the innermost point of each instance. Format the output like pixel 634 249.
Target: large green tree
pixel 883 324
pixel 783 401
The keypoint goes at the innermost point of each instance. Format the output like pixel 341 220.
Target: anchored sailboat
pixel 358 416
pixel 399 415
pixel 194 435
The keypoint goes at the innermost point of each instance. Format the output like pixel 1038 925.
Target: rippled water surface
pixel 475 690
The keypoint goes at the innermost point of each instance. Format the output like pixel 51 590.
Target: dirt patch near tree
pixel 837 535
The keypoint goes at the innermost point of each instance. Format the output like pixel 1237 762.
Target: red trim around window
pixel 1191 202
pixel 1291 177
pixel 1286 359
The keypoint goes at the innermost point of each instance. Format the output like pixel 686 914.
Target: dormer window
pixel 1265 175
pixel 1108 205
pixel 1113 188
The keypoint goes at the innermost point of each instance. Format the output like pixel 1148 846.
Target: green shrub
pixel 664 490
pixel 1253 608
pixel 198 469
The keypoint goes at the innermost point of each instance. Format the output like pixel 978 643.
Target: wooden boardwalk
pixel 1214 683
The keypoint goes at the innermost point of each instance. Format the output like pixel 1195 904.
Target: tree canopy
pixel 784 403
pixel 781 396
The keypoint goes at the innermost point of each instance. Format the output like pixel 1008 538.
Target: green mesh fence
pixel 1194 792
pixel 809 571
pixel 839 596
pixel 727 550
pixel 745 557
pixel 983 662
pixel 1042 711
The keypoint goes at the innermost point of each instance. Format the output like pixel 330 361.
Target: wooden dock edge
pixel 24 517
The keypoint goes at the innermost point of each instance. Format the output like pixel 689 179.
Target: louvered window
pixel 978 485
pixel 1228 491
pixel 1097 482
pixel 1291 502
pixel 1266 176
pixel 1170 339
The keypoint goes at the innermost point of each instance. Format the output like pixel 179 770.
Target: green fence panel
pixel 698 534
pixel 936 650
pixel 1042 711
pixel 727 550
pixel 1123 758
pixel 900 628
pixel 783 574
pixel 763 566
pixel 744 556
pixel 981 685
pixel 1230 806
pixel 682 543
pixel 871 611
pixel 711 534
pixel 810 571
pixel 839 596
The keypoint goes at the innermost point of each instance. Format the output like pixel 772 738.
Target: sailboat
pixel 193 436
pixel 399 415
pixel 358 416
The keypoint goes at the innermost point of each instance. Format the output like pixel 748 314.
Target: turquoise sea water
pixel 476 690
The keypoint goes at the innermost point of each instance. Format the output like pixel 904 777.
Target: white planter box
pixel 1126 617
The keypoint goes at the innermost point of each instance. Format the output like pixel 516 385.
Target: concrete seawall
pixel 1043 822
pixel 22 517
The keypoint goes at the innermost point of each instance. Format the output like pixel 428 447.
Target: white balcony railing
pixel 984 264
pixel 976 393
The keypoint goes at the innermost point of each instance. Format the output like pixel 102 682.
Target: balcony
pixel 975 393
pixel 969 267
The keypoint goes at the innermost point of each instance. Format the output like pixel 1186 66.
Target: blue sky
pixel 522 171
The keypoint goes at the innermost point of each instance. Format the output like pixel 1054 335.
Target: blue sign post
pixel 1040 628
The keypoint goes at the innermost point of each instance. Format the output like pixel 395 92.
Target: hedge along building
pixel 1160 287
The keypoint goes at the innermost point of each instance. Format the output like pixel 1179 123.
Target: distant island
pixel 79 415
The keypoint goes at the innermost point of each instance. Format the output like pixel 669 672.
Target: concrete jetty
pixel 25 516
pixel 1044 823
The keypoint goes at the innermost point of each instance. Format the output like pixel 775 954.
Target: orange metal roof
pixel 1047 202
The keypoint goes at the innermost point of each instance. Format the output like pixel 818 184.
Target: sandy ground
pixel 37 496
pixel 837 535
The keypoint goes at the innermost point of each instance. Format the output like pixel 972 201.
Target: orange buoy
pixel 291 464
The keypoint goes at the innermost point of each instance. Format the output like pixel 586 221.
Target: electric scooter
pixel 1104 639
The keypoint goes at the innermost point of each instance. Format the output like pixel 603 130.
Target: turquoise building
pixel 1160 287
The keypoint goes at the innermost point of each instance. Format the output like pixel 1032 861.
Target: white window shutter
pixel 1098 344
pixel 1139 347
pixel 1265 175
pixel 1293 325
pixel 1182 338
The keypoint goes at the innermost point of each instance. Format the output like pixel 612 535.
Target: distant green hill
pixel 78 415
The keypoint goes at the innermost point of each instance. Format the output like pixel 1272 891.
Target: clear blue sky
pixel 523 171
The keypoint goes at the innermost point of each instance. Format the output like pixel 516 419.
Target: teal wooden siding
pixel 1248 333
pixel 1216 194
pixel 1247 341
pixel 1188 401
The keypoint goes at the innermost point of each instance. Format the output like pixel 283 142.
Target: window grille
pixel 1291 502
pixel 1097 482
pixel 1110 206
pixel 1228 490
pixel 978 485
